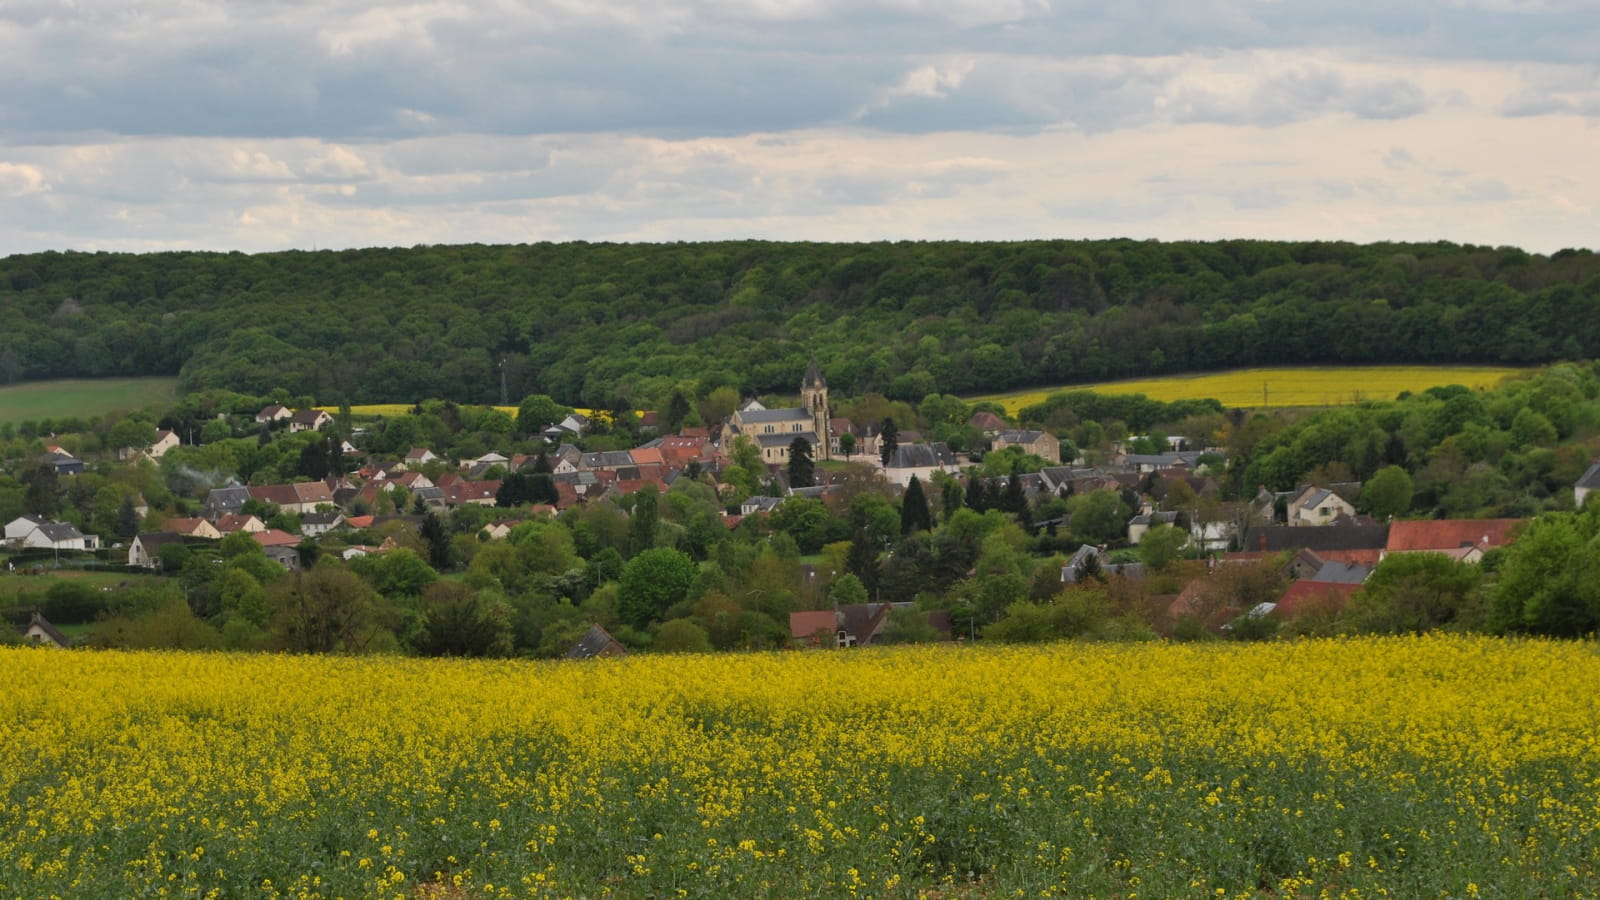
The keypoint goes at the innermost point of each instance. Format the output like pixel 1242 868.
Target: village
pixel 1152 522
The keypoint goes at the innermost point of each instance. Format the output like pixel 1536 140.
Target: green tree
pixel 914 512
pixel 1161 547
pixel 643 523
pixel 127 525
pixel 888 440
pixel 1410 593
pixel 436 539
pixel 801 470
pixel 325 610
pixel 1099 516
pixel 847 445
pixel 1549 580
pixel 848 590
pixel 652 582
pixel 537 411
pixel 681 636
pixel 457 621
pixel 1387 493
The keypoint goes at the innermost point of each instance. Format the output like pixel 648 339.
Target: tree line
pixel 607 325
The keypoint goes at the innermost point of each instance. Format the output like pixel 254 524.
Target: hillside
pixel 590 323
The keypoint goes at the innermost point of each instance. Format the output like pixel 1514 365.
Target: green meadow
pixel 82 398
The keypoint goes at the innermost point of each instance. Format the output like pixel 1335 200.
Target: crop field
pixel 82 397
pixel 1416 767
pixel 1256 388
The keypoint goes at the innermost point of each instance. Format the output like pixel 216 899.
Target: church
pixel 774 430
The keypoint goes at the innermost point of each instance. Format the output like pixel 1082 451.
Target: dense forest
pixel 594 324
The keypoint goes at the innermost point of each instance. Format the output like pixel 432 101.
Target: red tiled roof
pixel 1309 596
pixel 1449 534
pixel 803 625
pixel 273 537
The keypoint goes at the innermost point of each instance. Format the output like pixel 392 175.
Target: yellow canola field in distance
pixel 1440 766
pixel 1279 387
pixel 374 410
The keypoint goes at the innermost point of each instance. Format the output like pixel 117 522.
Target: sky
pixel 261 125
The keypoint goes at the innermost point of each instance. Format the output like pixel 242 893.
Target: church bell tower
pixel 814 397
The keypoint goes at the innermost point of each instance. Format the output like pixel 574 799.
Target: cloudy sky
pixel 271 124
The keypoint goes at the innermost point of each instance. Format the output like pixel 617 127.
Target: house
pixel 1317 506
pixel 1143 522
pixel 232 522
pixel 1348 543
pixel 758 504
pixel 1465 540
pixel 1589 481
pixel 284 555
pixel 301 497
pixel 64 463
pixel 1145 463
pixel 462 492
pixel 274 537
pixel 309 420
pixel 1083 562
pixel 416 457
pixel 22 526
pixel 1306 596
pixel 319 523
pixel 814 628
pixel 145 550
pixel 43 634
pixel 497 531
pixel 225 501
pixel 58 536
pixel 194 528
pixel 920 460
pixel 273 413
pixel 988 423
pixel 165 440
pixel 596 643
pixel 1037 443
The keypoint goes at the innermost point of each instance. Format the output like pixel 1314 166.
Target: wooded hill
pixel 595 324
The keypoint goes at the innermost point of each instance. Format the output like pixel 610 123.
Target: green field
pixel 1279 387
pixel 83 397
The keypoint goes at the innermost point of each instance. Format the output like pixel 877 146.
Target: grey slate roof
pixel 1272 538
pixel 593 641
pixel 915 456
pixel 60 531
pixel 761 416
pixel 1590 479
pixel 1334 572
pixel 784 440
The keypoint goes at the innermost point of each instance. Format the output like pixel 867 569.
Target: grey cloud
pixel 363 70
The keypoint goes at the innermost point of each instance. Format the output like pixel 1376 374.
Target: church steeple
pixel 814 397
pixel 813 377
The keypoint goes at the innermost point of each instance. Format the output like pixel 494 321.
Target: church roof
pixel 813 375
pixel 795 414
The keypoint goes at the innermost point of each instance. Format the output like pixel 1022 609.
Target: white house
pixel 145 550
pixel 165 440
pixel 22 526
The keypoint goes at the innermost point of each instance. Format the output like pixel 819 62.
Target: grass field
pixel 1443 766
pixel 1255 388
pixel 82 397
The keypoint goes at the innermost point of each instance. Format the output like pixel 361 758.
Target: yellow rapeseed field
pixel 1417 767
pixel 373 410
pixel 1315 386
